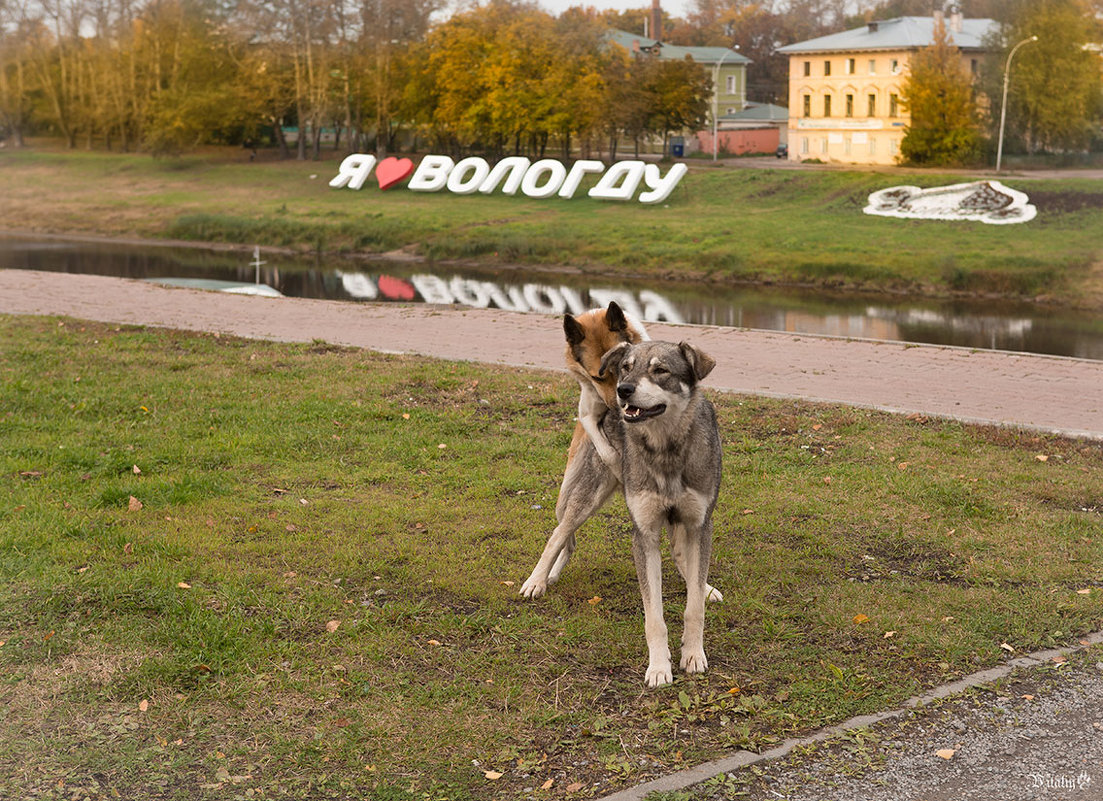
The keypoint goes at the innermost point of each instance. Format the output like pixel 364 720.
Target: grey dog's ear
pixel 700 361
pixel 612 359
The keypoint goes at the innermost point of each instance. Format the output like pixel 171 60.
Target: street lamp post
pixel 1003 106
pixel 716 103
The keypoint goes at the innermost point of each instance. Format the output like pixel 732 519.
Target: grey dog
pixel 666 433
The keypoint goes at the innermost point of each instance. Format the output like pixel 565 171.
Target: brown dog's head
pixel 590 336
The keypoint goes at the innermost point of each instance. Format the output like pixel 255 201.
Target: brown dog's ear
pixel 700 361
pixel 612 359
pixel 575 333
pixel 615 319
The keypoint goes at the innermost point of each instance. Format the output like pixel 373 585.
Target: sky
pixel 674 8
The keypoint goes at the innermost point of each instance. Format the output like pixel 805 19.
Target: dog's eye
pixel 658 370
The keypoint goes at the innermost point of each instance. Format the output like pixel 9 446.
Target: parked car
pixel 782 151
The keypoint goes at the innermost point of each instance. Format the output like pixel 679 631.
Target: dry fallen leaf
pixel 1007 648
pixel 405 416
pixel 574 787
pixel 547 785
pixel 1086 591
pixel 137 470
pixel 946 753
pixel 134 504
pixel 143 705
pixel 183 585
pixel 434 642
pixel 332 625
pixel 1042 457
pixel 507 583
pixel 594 601
pixel 492 775
pixel 859 619
pixel 889 635
pixel 1027 697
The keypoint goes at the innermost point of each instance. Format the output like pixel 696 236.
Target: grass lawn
pixel 239 569
pixel 721 224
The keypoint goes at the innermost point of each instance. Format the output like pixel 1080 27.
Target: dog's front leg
pixel 649 570
pixel 695 546
pixel 591 409
pixel 586 487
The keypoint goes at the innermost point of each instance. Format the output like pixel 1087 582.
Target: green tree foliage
pixel 944 129
pixel 1054 97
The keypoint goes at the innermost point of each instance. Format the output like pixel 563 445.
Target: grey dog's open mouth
pixel 634 414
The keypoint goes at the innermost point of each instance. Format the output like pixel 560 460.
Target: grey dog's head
pixel 654 377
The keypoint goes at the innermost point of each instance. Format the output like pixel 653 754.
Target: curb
pixel 742 759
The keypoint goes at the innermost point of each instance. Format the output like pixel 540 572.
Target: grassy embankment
pixel 722 224
pixel 313 593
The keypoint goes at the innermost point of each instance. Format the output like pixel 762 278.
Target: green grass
pixel 720 224
pixel 184 650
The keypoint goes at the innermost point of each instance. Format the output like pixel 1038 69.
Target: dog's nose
pixel 625 390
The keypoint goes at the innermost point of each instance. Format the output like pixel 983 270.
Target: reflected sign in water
pixel 644 304
pixel 988 325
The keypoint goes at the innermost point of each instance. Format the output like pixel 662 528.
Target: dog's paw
pixel 658 675
pixel 533 588
pixel 694 662
pixel 713 595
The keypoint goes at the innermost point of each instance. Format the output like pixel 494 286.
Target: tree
pixel 679 93
pixel 1054 99
pixel 938 94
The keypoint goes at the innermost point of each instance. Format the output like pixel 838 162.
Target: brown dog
pixel 589 337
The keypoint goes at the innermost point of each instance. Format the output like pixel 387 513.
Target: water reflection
pixel 1019 327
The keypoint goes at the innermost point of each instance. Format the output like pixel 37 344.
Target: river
pixel 977 324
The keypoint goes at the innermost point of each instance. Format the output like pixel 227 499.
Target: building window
pixel 871 108
pixel 873 66
pixel 826 68
pixel 804 145
pixel 827 105
pixel 823 144
pixel 808 105
pixel 731 85
pixel 872 146
pixel 974 67
pixel 894 105
pixel 850 66
pixel 846 146
pixel 807 68
pixel 894 66
pixel 850 105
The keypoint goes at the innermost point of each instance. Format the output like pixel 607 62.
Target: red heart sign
pixel 395 288
pixel 391 170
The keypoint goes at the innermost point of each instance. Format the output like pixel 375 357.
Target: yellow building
pixel 845 88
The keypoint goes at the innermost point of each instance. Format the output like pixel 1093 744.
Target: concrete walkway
pixel 1044 393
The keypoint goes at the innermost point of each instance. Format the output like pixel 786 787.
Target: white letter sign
pixel 542 179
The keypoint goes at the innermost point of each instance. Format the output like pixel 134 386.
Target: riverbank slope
pixel 722 224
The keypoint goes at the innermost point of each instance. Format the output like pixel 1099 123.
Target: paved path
pixel 1045 393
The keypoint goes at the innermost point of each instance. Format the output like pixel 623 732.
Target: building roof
pixel 758 112
pixel 633 42
pixel 902 33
